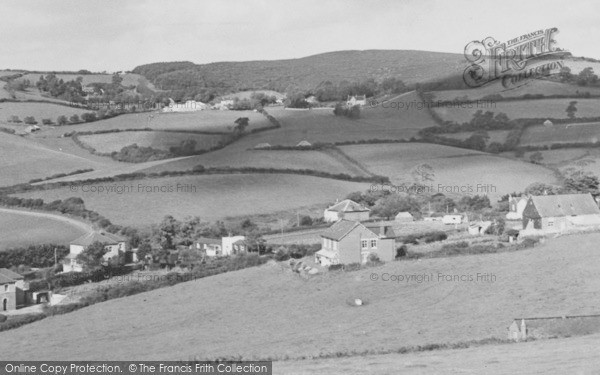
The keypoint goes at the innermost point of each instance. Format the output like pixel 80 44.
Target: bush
pixel 335 267
pixel 30 120
pixel 401 252
pixel 435 236
pixel 3 318
pixel 47 121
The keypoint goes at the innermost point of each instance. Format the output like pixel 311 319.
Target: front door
pixel 4 303
pixel 365 256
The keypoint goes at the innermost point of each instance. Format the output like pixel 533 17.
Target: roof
pixel 339 229
pixel 209 241
pixel 303 143
pixel 8 276
pixel 384 231
pixel 103 237
pixel 547 122
pixel 348 206
pixel 326 253
pixel 262 145
pixel 404 214
pixel 565 205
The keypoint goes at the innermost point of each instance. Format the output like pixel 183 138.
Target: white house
pixel 188 106
pixel 558 213
pixel 348 210
pixel 452 219
pixel 356 100
pixel 113 244
pixel 212 247
pixel 516 205
pixel 234 245
pixel 478 228
pixel 304 144
pixel 548 123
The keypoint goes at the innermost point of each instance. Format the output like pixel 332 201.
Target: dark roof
pixel 384 231
pixel 565 205
pixel 348 206
pixel 339 229
pixel 104 238
pixel 8 276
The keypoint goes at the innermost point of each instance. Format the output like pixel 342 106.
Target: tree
pixel 306 220
pixel 74 119
pixel 240 125
pixel 92 256
pixel 89 117
pixel 389 206
pixel 565 74
pixel 540 188
pixel 586 183
pixel 587 77
pixel 61 120
pixel 536 157
pixel 30 120
pixel 571 109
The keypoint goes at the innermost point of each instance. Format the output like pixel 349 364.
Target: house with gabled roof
pixel 12 290
pixel 356 100
pixel 304 143
pixel 212 247
pixel 404 217
pixel 113 244
pixel 516 205
pixel 348 242
pixel 557 213
pixel 347 210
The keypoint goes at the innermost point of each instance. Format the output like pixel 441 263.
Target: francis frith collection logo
pixel 514 62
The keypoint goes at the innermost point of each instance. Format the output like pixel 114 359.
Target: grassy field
pixel 578 355
pixel 23 228
pixel 561 133
pixel 22 160
pixel 531 87
pixel 272 312
pixel 210 197
pixel 544 108
pixel 109 142
pixel 207 121
pixel 38 110
pixel 453 167
pixel 321 125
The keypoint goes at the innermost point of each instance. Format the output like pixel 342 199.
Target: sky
pixel 111 35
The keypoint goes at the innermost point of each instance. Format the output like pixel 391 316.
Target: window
pixel 6 287
pixel 363 244
pixel 373 244
pixel 551 222
pixel 335 245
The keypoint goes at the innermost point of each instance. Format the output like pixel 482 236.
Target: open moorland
pixel 22 228
pixel 109 142
pixel 452 167
pixel 283 316
pixel 211 197
pixel 541 108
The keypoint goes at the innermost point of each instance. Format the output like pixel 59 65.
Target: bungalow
pixel 348 242
pixel 212 247
pixel 12 290
pixel 348 210
pixel 113 244
pixel 356 100
pixel 556 213
pixel 404 217
pixel 479 228
pixel 262 146
pixel 234 245
pixel 516 205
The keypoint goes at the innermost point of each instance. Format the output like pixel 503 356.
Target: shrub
pixel 401 252
pixel 30 120
pixel 335 267
pixel 3 318
pixel 47 121
pixel 435 236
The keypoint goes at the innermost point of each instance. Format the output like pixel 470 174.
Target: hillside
pixel 304 73
pixel 281 315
